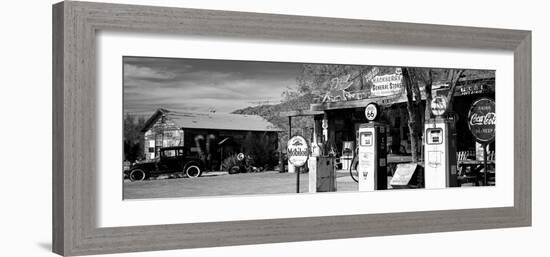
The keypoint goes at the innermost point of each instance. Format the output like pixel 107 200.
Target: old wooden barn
pixel 213 136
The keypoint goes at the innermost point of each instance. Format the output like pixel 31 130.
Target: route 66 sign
pixel 372 111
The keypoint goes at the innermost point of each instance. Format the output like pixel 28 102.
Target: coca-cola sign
pixel 482 120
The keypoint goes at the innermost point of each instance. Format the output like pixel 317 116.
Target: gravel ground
pixel 222 184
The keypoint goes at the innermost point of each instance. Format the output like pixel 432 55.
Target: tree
pixel 454 76
pixel 133 140
pixel 411 87
pixel 426 76
pixel 412 78
pixel 316 83
pixel 262 148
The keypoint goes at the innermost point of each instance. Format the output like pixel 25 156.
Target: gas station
pixel 368 140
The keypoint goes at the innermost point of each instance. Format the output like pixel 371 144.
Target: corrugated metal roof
pixel 222 121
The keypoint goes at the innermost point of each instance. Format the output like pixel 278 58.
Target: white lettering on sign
pixel 482 120
pixel 472 89
pixel 297 151
pixel 487 119
pixel 338 89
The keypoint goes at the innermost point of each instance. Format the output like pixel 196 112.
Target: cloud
pixel 146 73
pixel 196 84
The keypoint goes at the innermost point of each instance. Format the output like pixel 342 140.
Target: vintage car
pixel 171 160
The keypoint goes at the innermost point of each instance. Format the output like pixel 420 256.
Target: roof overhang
pixel 300 113
pixel 472 88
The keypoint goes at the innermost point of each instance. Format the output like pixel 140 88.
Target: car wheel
pixel 137 175
pixel 193 171
pixel 234 170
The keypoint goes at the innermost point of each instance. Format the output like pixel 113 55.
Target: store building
pixel 214 136
pixel 338 116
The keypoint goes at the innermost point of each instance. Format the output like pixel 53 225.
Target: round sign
pixel 438 105
pixel 371 111
pixel 482 120
pixel 240 156
pixel 298 151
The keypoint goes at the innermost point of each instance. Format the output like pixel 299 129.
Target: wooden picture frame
pixel 74 130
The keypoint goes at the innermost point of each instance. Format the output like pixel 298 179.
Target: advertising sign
pixel 387 85
pixel 371 74
pixel 472 89
pixel 482 120
pixel 403 175
pixel 438 105
pixel 298 151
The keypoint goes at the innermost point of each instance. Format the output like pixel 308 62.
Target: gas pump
pixel 372 153
pixel 440 148
pixel 347 154
pixel 322 176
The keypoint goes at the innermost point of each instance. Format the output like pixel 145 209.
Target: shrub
pixel 229 162
pixel 262 149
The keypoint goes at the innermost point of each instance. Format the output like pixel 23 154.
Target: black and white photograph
pixel 206 127
pixel 275 128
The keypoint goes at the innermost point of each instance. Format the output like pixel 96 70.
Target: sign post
pixel 482 123
pixel 298 153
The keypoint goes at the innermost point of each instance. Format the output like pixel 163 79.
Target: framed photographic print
pixel 184 128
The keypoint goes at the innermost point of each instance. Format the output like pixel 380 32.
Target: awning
pixel 300 113
pixel 401 97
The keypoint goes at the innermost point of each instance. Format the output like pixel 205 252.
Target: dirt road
pixel 221 184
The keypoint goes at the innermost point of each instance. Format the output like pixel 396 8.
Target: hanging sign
pixel 387 85
pixel 371 74
pixel 482 120
pixel 372 111
pixel 298 151
pixel 439 105
pixel 472 89
pixel 324 124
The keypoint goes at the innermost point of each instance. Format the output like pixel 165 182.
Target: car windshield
pixel 169 153
pixel 173 152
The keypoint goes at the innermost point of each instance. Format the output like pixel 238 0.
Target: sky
pixel 197 85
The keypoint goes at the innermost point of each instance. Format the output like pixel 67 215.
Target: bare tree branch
pixel 454 83
pixel 407 82
pixel 428 81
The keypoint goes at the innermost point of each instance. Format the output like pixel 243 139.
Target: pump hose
pixel 351 165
